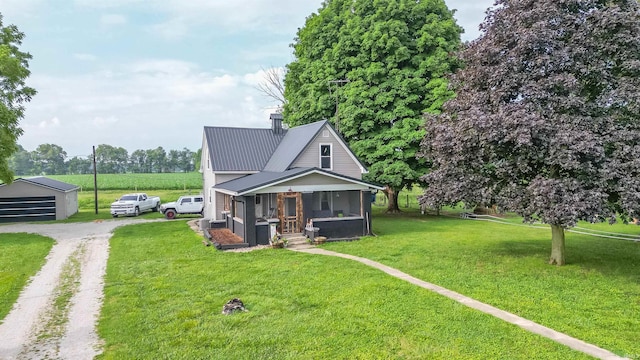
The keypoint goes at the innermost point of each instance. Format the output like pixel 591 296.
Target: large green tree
pixel 111 159
pixel 49 159
pixel 373 67
pixel 79 165
pixel 546 121
pixel 157 160
pixel 14 69
pixel 21 162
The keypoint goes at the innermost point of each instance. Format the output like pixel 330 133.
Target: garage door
pixel 18 209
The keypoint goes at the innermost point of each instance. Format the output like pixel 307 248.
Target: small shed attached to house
pixel 37 199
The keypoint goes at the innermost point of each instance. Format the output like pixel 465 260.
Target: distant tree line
pixel 51 159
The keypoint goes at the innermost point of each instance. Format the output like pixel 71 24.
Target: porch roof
pixel 255 182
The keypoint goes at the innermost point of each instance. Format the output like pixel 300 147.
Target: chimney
pixel 276 123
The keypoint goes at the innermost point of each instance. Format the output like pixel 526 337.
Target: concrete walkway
pixel 528 325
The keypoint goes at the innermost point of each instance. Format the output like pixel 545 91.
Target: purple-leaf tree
pixel 546 121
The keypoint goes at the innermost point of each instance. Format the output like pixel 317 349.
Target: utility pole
pixel 337 83
pixel 95 180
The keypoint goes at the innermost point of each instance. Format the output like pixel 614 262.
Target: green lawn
pixel 21 256
pixel 595 297
pixel 165 291
pixel 86 203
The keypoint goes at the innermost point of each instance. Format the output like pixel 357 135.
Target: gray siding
pixel 207 182
pixel 292 145
pixel 220 178
pixel 316 179
pixel 343 163
pixel 219 204
pixel 71 203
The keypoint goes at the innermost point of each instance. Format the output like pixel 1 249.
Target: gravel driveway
pixel 36 328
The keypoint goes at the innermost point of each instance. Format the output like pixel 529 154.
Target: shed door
pixel 20 209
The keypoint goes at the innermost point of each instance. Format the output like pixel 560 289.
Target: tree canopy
pixel 546 118
pixel 14 69
pixel 373 67
pixel 51 159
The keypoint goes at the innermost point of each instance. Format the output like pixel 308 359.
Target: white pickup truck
pixel 134 204
pixel 191 204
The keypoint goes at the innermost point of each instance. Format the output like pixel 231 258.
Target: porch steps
pixel 298 241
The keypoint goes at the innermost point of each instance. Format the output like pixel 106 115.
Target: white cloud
pixel 19 8
pixel 102 122
pixel 281 16
pixel 101 4
pixel 47 124
pixel 165 102
pixel 162 66
pixel 259 77
pixel 172 30
pixel 142 105
pixel 244 14
pixel 85 57
pixel 112 19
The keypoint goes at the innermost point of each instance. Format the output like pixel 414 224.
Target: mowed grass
pixel 86 203
pixel 191 181
pixel 165 291
pixel 21 256
pixel 595 297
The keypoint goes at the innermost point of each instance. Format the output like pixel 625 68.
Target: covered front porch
pixel 339 207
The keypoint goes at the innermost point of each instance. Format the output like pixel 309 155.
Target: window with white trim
pixel 326 159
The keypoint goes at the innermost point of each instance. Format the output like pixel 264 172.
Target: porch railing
pixel 290 224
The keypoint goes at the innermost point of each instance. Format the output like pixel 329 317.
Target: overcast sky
pixel 141 74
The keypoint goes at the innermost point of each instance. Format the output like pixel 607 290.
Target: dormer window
pixel 326 161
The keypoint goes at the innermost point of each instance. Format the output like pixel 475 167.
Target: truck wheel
pixel 136 212
pixel 157 208
pixel 170 214
pixel 114 215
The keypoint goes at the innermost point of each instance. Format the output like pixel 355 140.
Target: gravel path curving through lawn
pixel 38 326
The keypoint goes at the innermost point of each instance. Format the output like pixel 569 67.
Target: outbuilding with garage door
pixel 37 199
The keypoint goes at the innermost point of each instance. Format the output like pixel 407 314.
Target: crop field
pixel 135 182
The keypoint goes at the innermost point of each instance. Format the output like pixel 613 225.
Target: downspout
pixel 368 224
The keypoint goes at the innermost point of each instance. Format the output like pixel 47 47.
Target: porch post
pixel 250 220
pixel 307 206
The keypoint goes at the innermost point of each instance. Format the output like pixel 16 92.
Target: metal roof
pixel 248 183
pixel 49 183
pixel 249 149
pixel 240 149
pixel 294 143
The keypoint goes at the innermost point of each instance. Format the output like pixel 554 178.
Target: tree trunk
pixel 557 245
pixel 392 195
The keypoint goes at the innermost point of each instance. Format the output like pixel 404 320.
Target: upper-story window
pixel 326 160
